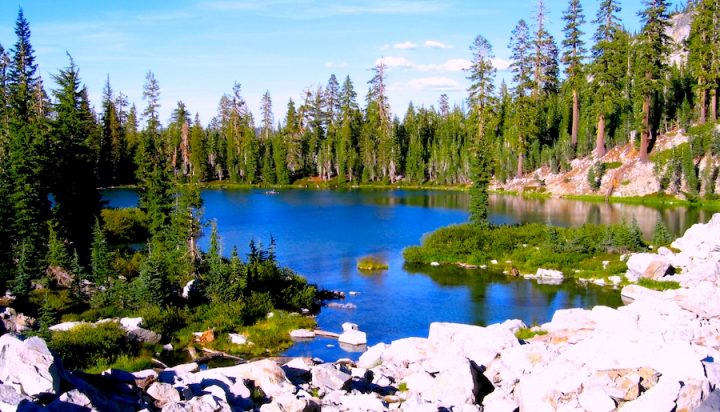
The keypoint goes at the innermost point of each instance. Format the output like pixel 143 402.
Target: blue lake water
pixel 321 234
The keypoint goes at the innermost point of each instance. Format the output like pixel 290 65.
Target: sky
pixel 197 49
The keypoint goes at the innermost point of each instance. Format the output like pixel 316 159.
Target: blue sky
pixel 198 48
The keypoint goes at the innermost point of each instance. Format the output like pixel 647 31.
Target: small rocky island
pixel 657 354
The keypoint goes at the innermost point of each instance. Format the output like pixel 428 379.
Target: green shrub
pixel 87 345
pixel 371 263
pixel 127 225
pixel 612 165
pixel 163 320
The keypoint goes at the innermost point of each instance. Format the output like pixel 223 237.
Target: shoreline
pixel 656 200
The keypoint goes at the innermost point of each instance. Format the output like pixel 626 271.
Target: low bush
pixel 371 263
pixel 127 225
pixel 85 346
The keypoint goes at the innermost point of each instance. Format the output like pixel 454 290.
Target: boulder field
pixel 657 353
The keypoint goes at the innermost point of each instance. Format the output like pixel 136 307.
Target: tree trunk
pixel 713 104
pixel 521 155
pixel 575 119
pixel 703 102
pixel 600 139
pixel 645 132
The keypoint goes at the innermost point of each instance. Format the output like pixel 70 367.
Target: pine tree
pixel 100 259
pixel 78 277
pixel 57 249
pixel 293 140
pixel 379 131
pixel 703 58
pixel 24 272
pixel 661 235
pixel 153 169
pixel 155 288
pixel 198 152
pixel 267 116
pixel 112 154
pixel 482 77
pixel 28 151
pixel 214 277
pixel 77 200
pixel 545 64
pixel 522 68
pixel 47 317
pixel 650 66
pixel 415 159
pixel 608 67
pixel 346 153
pixel 573 55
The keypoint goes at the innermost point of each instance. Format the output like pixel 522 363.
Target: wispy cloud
pixel 501 64
pixel 435 83
pixel 312 9
pixel 452 65
pixel 434 44
pixel 396 61
pixel 336 65
pixel 406 45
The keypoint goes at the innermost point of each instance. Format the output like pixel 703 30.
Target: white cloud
pixel 395 61
pixel 435 83
pixel 407 45
pixel 336 65
pixel 452 65
pixel 501 64
pixel 434 44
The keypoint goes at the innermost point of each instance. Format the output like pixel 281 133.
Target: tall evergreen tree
pixel 267 116
pixel 650 66
pixel 608 67
pixel 77 200
pixel 153 170
pixel 573 55
pixel 703 58
pixel 522 68
pixel 112 152
pixel 28 151
pixel 482 78
pixel 198 152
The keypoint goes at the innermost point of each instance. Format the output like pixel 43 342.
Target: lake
pixel 321 234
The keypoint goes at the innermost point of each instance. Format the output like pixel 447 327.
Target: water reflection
pixel 495 297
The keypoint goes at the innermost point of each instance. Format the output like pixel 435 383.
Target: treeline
pixel 566 99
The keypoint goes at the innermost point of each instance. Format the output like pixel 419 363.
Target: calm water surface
pixel 321 234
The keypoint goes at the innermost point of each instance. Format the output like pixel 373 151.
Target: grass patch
pixel 527 333
pixel 658 284
pixel 125 363
pixel 270 336
pixel 370 263
pixel 612 165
